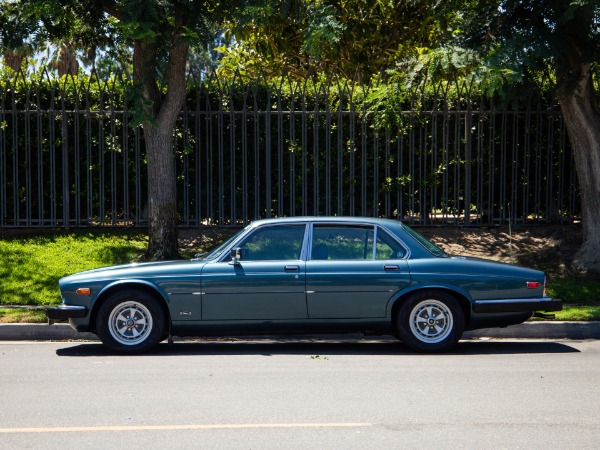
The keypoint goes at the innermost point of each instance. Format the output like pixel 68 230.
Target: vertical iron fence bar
pixel 562 203
pixel 327 153
pixel 514 177
pixel 491 164
pixel 88 160
pixel 551 207
pixel 28 162
pixel 52 142
pixel 304 134
pixel 422 149
pixel 400 181
pixel 221 157
pixel 411 165
pixel 573 175
pixel 101 146
pixel 293 148
pixel 468 160
pixel 77 161
pixel 140 215
pixel 198 161
pixel 376 150
pixel 340 154
pixel 433 197
pixel 185 188
pixel 268 162
pixel 280 145
pixel 3 169
pixel 65 162
pixel 256 126
pixel 316 156
pixel 480 159
pixel 529 174
pixel 457 163
pixel 209 162
pixel 540 189
pixel 126 187
pixel 245 158
pixel 351 156
pixel 446 159
pixel 364 162
pixel 15 160
pixel 112 148
pixel 40 159
pixel 387 174
pixel 232 159
pixel 503 165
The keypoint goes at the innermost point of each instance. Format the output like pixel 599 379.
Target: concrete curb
pixel 527 330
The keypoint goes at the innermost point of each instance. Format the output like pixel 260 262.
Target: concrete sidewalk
pixel 527 330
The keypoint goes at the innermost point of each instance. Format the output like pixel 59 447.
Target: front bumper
pixel 517 305
pixel 63 313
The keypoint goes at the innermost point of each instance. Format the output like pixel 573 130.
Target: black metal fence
pixel 69 157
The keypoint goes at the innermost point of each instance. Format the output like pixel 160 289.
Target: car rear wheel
pixel 430 321
pixel 130 322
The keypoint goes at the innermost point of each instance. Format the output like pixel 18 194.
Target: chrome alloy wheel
pixel 431 321
pixel 130 323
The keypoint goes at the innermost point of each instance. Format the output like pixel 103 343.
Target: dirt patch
pixel 551 248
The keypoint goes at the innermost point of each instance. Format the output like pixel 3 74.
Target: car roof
pixel 329 219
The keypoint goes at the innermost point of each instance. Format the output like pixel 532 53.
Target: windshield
pixel 432 248
pixel 221 248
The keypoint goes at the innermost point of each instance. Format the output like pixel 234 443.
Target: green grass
pixel 585 291
pixel 31 266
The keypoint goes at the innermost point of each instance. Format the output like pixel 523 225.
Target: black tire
pixel 430 321
pixel 130 322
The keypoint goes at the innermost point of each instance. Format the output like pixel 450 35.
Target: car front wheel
pixel 430 321
pixel 130 322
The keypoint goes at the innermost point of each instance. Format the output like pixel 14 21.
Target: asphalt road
pixel 276 395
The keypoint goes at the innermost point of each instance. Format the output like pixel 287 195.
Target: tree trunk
pixel 582 119
pixel 162 112
pixel 162 194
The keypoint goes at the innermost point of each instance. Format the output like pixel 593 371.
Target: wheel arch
pixel 462 299
pixel 137 286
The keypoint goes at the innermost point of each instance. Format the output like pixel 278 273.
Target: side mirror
pixel 236 256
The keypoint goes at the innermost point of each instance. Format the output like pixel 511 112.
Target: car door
pixel 267 283
pixel 348 276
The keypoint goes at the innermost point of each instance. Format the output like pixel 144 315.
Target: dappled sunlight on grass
pixel 31 267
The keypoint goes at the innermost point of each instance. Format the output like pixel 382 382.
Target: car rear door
pixel 348 277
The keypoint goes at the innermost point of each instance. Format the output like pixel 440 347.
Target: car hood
pixel 135 270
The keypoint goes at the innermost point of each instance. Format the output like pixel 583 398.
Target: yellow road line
pixel 185 427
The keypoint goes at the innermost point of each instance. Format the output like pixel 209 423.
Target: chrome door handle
pixel 292 268
pixel 391 267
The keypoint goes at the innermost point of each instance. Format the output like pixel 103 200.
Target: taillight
pixel 533 285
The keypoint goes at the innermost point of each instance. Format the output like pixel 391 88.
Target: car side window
pixel 388 247
pixel 342 242
pixel 278 243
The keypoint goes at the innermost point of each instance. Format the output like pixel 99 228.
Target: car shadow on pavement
pixel 322 348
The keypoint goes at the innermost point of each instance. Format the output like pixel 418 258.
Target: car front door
pixel 348 276
pixel 268 283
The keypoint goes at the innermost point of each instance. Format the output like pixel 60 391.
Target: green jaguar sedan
pixel 305 275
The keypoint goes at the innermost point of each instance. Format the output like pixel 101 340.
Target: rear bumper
pixel 63 313
pixel 517 305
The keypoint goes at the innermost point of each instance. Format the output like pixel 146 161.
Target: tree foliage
pixel 302 37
